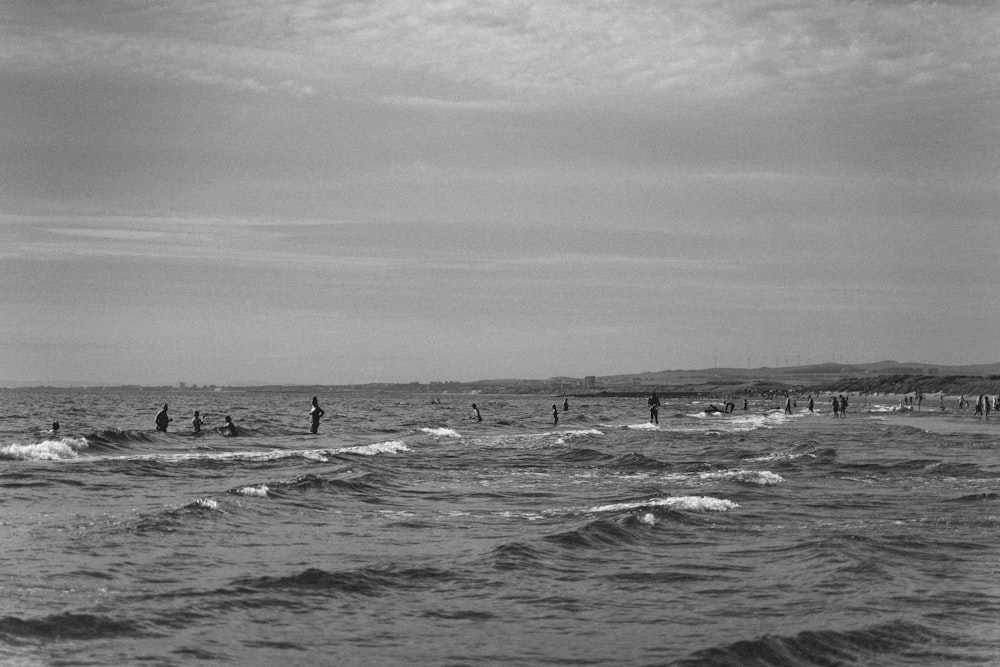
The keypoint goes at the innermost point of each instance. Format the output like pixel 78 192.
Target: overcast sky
pixel 415 190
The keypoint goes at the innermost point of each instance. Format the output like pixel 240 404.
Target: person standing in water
pixel 555 415
pixel 197 422
pixel 565 404
pixel 229 428
pixel 315 412
pixel 654 408
pixel 162 419
pixel 475 413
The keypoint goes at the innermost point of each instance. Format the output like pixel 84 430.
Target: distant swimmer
pixel 229 428
pixel 654 408
pixel 475 413
pixel 162 419
pixel 555 415
pixel 315 412
pixel 55 427
pixel 197 422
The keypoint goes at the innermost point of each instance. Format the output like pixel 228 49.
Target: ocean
pixel 404 533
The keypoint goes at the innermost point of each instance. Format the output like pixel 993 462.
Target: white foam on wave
pixel 46 450
pixel 760 477
pixel 647 426
pixel 259 491
pixel 388 447
pixel 692 503
pixel 568 436
pixel 442 432
pixel 779 456
pixel 206 503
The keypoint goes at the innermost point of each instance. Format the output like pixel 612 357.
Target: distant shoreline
pixel 703 386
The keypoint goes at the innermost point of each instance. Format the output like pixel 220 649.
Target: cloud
pixel 524 50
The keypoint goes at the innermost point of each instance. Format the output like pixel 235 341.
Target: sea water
pixel 406 533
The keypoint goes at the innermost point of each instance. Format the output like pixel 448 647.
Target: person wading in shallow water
pixel 475 413
pixel 162 419
pixel 229 428
pixel 654 408
pixel 315 412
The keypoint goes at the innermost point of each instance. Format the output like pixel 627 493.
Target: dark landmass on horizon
pixel 885 377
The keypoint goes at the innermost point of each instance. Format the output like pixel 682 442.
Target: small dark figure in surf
pixel 811 404
pixel 55 427
pixel 746 404
pixel 843 405
pixel 788 405
pixel 565 405
pixel 315 412
pixel 229 428
pixel 555 415
pixel 162 419
pixel 197 422
pixel 654 408
pixel 836 406
pixel 475 413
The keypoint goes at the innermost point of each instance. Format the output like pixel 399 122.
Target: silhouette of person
pixel 162 419
pixel 654 408
pixel 315 412
pixel 475 413
pixel 55 427
pixel 555 415
pixel 565 404
pixel 197 422
pixel 229 428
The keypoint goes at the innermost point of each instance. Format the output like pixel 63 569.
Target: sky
pixel 323 192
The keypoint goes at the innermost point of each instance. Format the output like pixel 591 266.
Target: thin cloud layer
pixel 484 189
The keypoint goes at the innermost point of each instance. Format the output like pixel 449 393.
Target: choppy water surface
pixel 405 533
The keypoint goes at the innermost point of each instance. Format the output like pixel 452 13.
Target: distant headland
pixel 885 377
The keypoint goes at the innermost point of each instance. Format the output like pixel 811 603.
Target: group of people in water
pixel 478 416
pixel 228 428
pixel 839 404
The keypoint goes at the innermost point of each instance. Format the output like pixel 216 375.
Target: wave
pixel 365 483
pixel 565 437
pixel 633 461
pixel 877 644
pixel 112 438
pixel 985 497
pixel 582 455
pixel 758 477
pixel 441 432
pixel 368 581
pixel 172 519
pixel 599 533
pixel 46 450
pixel 808 452
pixel 67 626
pixel 688 503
